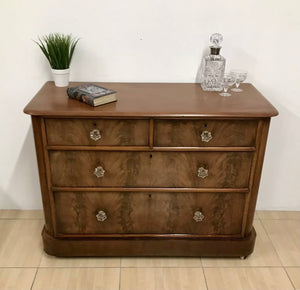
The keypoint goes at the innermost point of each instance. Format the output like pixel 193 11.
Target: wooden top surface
pixel 154 99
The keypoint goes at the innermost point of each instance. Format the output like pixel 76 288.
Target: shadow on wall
pixel 280 183
pixel 23 191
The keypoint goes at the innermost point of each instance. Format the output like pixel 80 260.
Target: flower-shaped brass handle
pixel 202 172
pixel 101 216
pixel 95 134
pixel 198 216
pixel 99 171
pixel 206 136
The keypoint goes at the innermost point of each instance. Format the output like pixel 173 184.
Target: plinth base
pixel 130 247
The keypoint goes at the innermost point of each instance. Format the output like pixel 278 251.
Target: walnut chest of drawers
pixel 168 170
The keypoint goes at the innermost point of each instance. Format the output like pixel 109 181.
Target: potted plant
pixel 58 49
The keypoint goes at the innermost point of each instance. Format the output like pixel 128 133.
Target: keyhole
pixel 205 125
pixel 95 124
pixel 150 155
pixel 150 195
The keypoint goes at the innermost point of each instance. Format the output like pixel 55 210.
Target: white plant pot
pixel 61 77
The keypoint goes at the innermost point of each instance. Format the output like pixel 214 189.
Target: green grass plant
pixel 58 49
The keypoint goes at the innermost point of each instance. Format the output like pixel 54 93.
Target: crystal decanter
pixel 213 66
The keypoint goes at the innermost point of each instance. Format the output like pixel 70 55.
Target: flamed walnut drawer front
pixel 150 169
pixel 204 133
pixel 157 213
pixel 97 132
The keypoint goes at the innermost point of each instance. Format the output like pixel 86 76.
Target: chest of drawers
pixel 168 170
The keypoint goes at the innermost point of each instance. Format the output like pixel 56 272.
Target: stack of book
pixel 91 94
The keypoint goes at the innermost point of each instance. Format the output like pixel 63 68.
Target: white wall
pixel 151 41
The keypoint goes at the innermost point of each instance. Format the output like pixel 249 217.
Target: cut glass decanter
pixel 213 66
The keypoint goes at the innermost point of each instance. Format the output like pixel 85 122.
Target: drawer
pixel 155 213
pixel 97 132
pixel 198 133
pixel 150 169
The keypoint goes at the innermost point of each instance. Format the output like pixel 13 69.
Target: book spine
pixel 81 97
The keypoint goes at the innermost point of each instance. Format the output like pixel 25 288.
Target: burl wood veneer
pixel 168 170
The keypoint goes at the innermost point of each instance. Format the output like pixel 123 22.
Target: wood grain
pixel 187 133
pixel 154 100
pixel 144 148
pixel 43 174
pixel 261 145
pixel 113 132
pixel 155 212
pixel 153 245
pixel 157 169
pixel 151 150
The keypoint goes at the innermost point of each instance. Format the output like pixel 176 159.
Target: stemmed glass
pixel 240 76
pixel 227 82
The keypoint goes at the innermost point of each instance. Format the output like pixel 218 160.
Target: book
pixel 91 94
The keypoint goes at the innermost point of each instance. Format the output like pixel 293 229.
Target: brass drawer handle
pixel 198 216
pixel 101 216
pixel 202 172
pixel 99 171
pixel 95 134
pixel 206 136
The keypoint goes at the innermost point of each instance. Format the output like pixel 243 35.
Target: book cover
pixel 92 94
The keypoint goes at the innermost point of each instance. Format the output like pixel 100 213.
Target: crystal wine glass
pixel 240 76
pixel 227 82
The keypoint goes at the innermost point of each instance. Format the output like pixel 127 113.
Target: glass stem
pixel 237 85
pixel 225 90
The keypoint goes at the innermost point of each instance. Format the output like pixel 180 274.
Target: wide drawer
pixel 198 133
pixel 97 132
pixel 150 169
pixel 155 213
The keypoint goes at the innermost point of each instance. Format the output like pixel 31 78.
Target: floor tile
pixel 294 274
pixel 264 253
pixel 285 236
pixel 21 214
pixel 77 279
pixel 247 278
pixel 51 261
pixel 162 279
pixel 161 262
pixel 20 243
pixel 16 278
pixel 264 214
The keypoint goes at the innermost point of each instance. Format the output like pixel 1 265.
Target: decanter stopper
pixel 216 39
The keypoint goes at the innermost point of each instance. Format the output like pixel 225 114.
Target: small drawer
pixel 149 212
pixel 97 132
pixel 204 133
pixel 150 169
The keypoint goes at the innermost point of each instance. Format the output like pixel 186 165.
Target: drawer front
pixel 97 132
pixel 155 213
pixel 150 169
pixel 198 133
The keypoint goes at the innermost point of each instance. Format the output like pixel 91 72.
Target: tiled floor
pixel 275 263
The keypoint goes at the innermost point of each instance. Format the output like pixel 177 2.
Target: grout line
pixel 75 267
pixel 34 278
pixel 23 219
pixel 120 273
pixel 160 267
pixel 120 277
pixel 146 267
pixel 205 278
pixel 12 267
pixel 289 277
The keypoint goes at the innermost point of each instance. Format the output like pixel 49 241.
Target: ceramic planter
pixel 61 77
